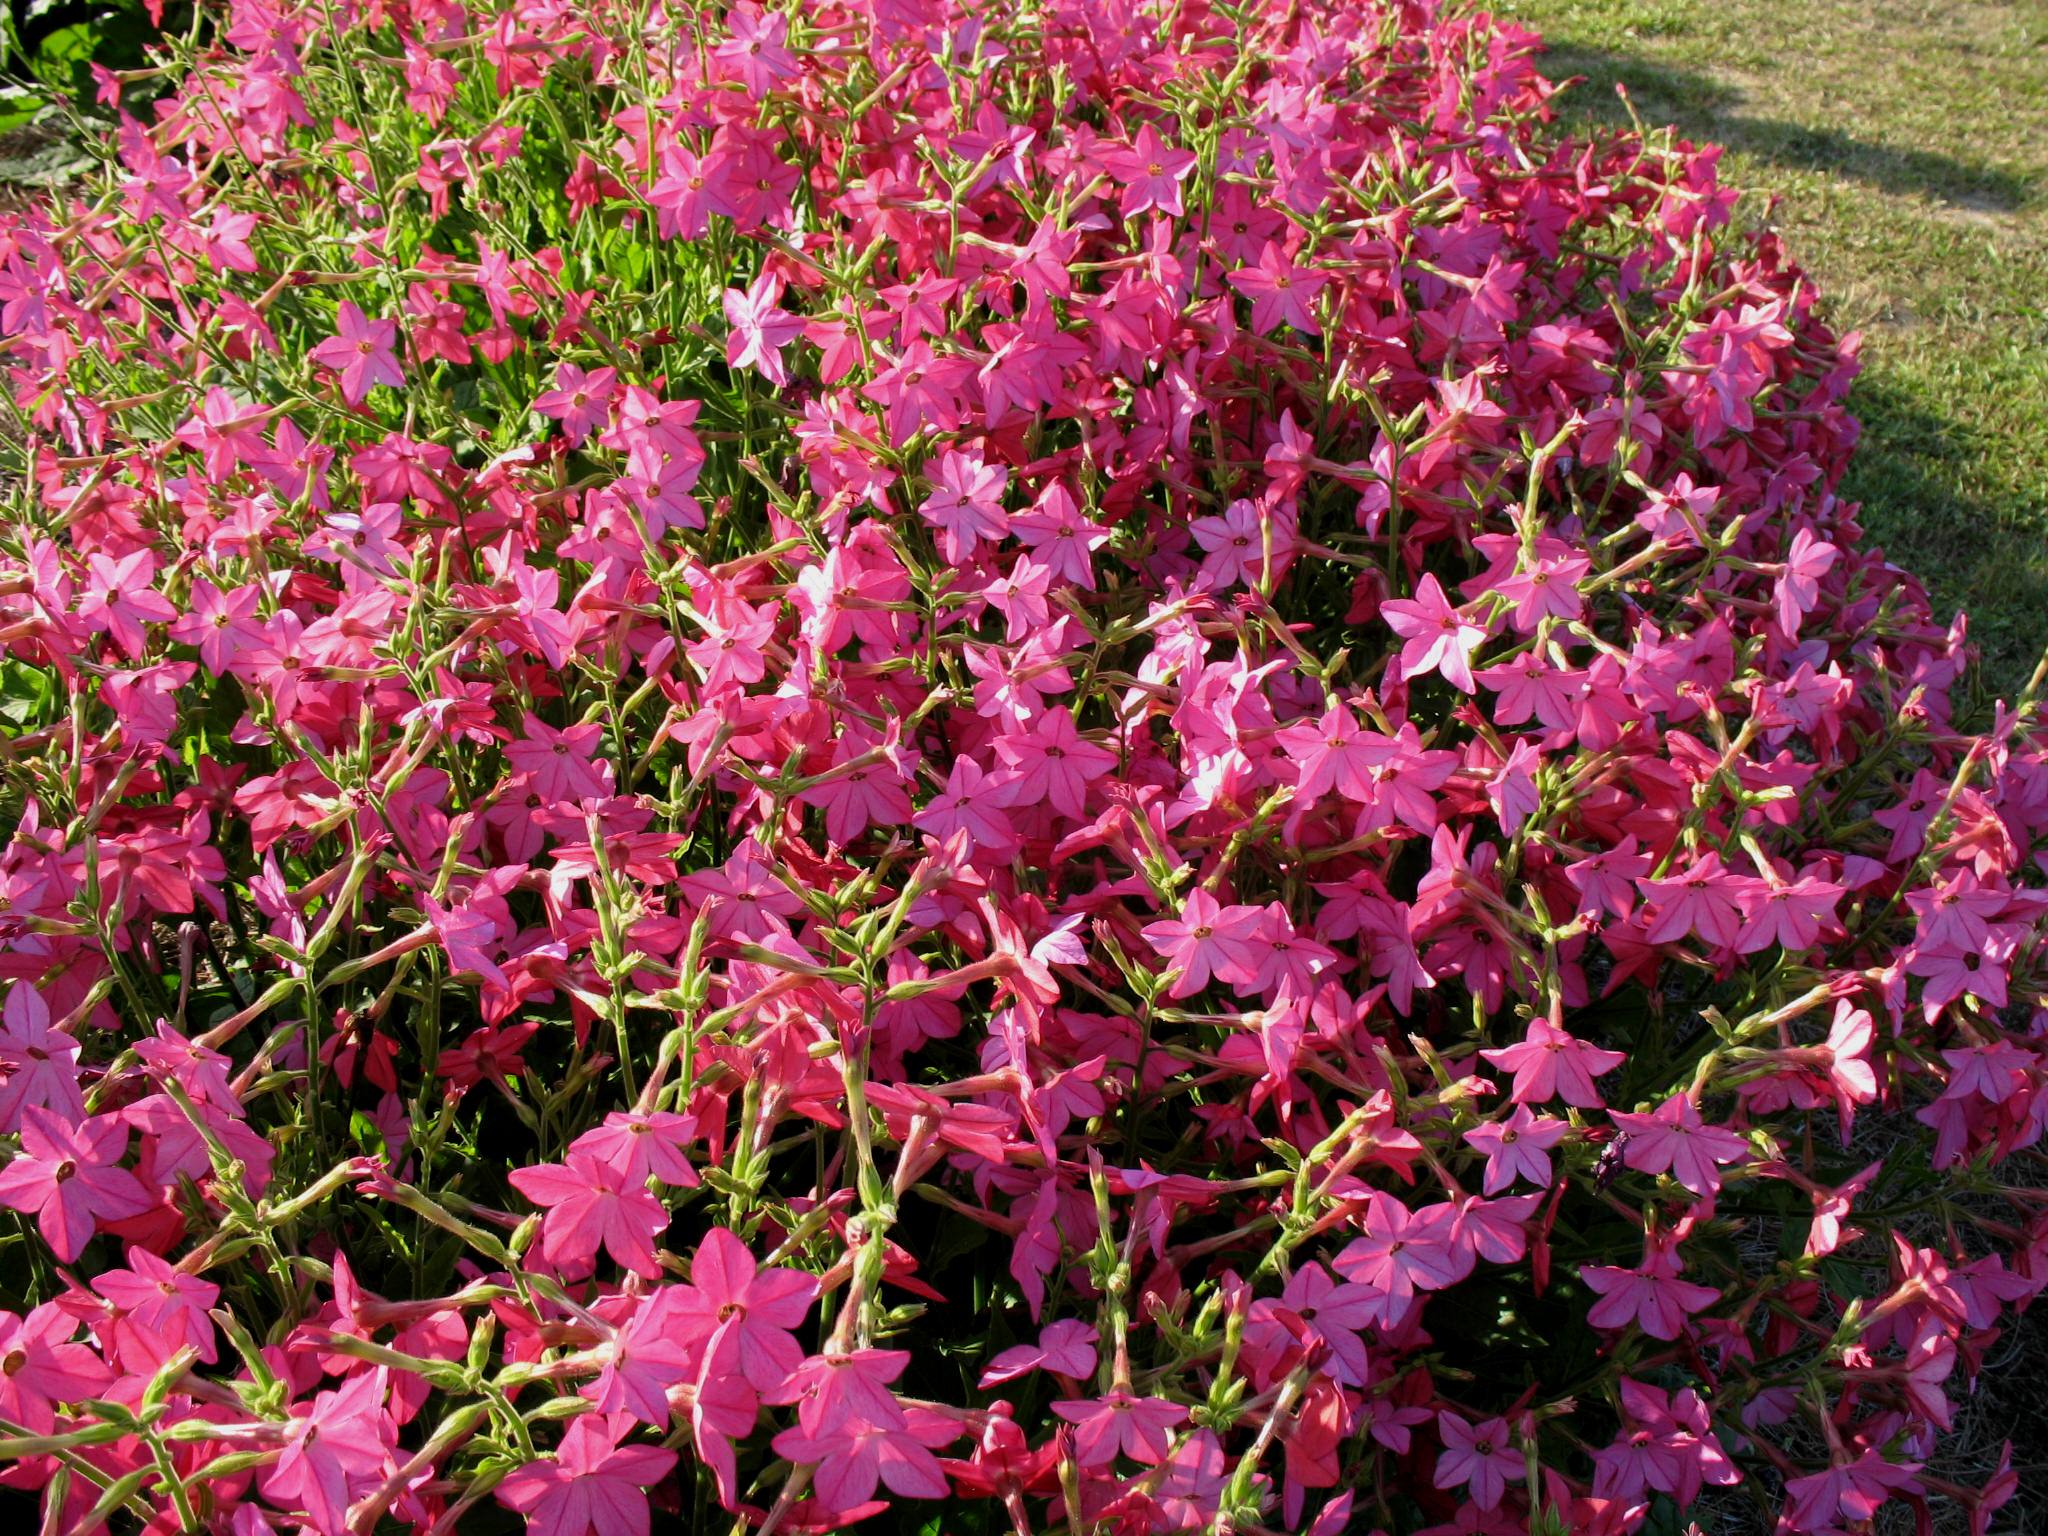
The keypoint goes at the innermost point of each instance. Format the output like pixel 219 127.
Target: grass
pixel 1902 148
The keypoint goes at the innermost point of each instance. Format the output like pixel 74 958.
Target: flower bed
pixel 1120 764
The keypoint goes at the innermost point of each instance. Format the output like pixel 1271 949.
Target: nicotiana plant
pixel 1102 766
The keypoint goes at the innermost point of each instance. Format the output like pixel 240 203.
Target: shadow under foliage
pixel 1909 472
pixel 1703 109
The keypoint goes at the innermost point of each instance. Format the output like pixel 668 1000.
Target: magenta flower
pixel 581 402
pixel 41 1063
pixel 844 1389
pixel 41 1369
pixel 1021 598
pixel 1335 753
pixel 1150 172
pixel 760 329
pixel 755 1311
pixel 1849 1492
pixel 1206 939
pixel 1437 636
pixel 68 1175
pixel 1791 914
pixel 1798 590
pixel 591 1205
pixel 1551 1063
pixel 973 804
pixel 1517 1147
pixel 852 1462
pixel 966 504
pixel 337 1448
pixel 1061 538
pixel 1652 1296
pixel 1675 1140
pixel 1052 764
pixel 361 352
pixel 643 1144
pixel 1120 1424
pixel 1065 1347
pixel 1482 1457
pixel 593 1484
pixel 1337 1313
pixel 1402 1253
pixel 119 596
pixel 1064 727
pixel 1705 901
pixel 159 1310
pixel 221 624
pixel 1281 292
pixel 858 792
pixel 757 52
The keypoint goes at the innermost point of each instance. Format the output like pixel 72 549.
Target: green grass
pixel 1906 146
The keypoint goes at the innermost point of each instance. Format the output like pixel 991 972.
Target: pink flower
pixel 337 1448
pixel 1791 914
pixel 1482 1457
pixel 1851 1076
pixel 842 1389
pixel 44 1369
pixel 966 504
pixel 1280 291
pixel 1065 1347
pixel 1206 939
pixel 1247 545
pixel 1652 1296
pixel 590 1204
pixel 1337 1312
pixel 581 402
pixel 1513 792
pixel 68 1175
pixel 160 1310
pixel 1849 1492
pixel 760 329
pixel 758 1309
pixel 974 804
pixel 1675 1140
pixel 1517 1147
pixel 642 1144
pixel 857 792
pixel 1706 901
pixel 1119 1423
pixel 1021 597
pixel 851 1462
pixel 224 432
pixel 119 595
pixel 593 1483
pixel 1550 1063
pixel 363 352
pixel 41 1063
pixel 221 624
pixel 1404 1252
pixel 757 51
pixel 1063 540
pixel 937 821
pixel 1150 172
pixel 1052 763
pixel 1439 638
pixel 1798 589
pixel 1606 880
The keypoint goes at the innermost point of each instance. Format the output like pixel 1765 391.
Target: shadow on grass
pixel 1705 109
pixel 1911 472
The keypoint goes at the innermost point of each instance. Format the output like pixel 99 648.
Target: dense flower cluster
pixel 1118 760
